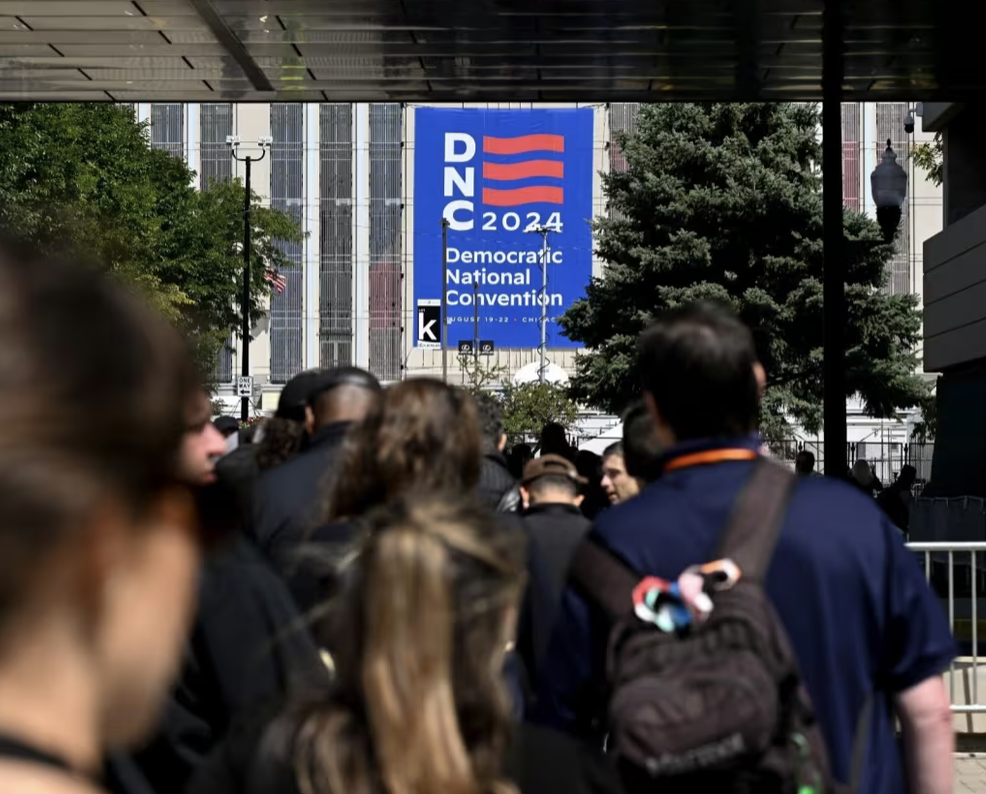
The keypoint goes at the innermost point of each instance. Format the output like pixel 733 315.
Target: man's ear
pixel 503 443
pixel 760 374
pixel 525 497
pixel 309 420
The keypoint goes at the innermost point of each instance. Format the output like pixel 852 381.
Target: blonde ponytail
pixel 419 706
pixel 407 666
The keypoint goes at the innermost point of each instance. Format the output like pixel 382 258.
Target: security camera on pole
pixel 233 142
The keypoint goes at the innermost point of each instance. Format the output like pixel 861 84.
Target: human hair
pixel 490 413
pixel 282 441
pixel 552 483
pixel 422 436
pixel 616 448
pixel 419 704
pixel 804 462
pixel 95 390
pixel 697 362
pixel 641 449
pixel 554 441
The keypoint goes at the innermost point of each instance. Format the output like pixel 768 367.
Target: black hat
pixel 226 424
pixel 295 394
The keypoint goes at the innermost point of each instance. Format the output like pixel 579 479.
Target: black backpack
pixel 720 707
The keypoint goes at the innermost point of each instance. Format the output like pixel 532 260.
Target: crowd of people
pixel 370 594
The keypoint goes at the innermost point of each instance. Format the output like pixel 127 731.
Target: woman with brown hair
pixel 420 436
pixel 419 705
pixel 98 544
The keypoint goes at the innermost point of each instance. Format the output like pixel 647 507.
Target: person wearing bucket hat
pixel 551 490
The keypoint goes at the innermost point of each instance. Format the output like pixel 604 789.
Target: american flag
pixel 277 281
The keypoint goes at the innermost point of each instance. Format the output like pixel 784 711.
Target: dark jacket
pixel 497 487
pixel 248 649
pixel 259 760
pixel 557 529
pixel 239 468
pixel 290 496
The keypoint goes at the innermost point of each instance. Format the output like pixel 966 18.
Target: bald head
pixel 346 402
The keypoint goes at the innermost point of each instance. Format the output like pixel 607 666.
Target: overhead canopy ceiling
pixel 480 50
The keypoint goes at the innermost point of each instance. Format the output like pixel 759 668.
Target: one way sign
pixel 430 324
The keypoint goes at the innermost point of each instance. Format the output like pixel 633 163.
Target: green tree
pixel 528 407
pixel 83 177
pixel 723 202
pixel 929 157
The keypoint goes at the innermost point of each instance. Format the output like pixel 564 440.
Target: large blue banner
pixel 501 177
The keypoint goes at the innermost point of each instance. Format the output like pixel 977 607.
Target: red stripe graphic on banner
pixel 522 195
pixel 525 170
pixel 523 144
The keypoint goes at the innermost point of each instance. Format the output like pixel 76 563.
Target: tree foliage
pixel 528 407
pixel 479 374
pixel 82 177
pixel 929 157
pixel 723 202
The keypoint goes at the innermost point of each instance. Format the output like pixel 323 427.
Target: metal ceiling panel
pixel 17 95
pixel 24 50
pixel 167 8
pixel 450 50
pixel 161 48
pixel 121 22
pixel 68 8
pixel 59 37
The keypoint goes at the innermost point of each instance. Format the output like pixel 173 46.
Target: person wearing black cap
pixel 226 425
pixel 280 440
pixel 284 435
pixel 551 493
pixel 290 495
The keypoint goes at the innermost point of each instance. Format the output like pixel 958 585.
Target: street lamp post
pixel 233 142
pixel 889 184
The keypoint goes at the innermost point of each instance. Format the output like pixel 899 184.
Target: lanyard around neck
pixel 708 457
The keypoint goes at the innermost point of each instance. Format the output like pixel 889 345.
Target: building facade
pixel 955 302
pixel 346 172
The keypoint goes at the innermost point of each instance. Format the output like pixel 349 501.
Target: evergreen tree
pixel 723 202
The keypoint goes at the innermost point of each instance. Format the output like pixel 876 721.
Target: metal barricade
pixel 957 573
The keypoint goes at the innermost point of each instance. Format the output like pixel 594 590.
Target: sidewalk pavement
pixel 970 775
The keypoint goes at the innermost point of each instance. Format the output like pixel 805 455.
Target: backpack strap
pixel 606 579
pixel 755 524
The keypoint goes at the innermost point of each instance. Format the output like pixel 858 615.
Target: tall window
pixel 852 150
pixel 335 309
pixel 216 123
pixel 287 126
pixel 385 240
pixel 890 126
pixel 168 128
pixel 622 118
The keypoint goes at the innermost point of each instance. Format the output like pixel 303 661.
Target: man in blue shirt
pixel 861 618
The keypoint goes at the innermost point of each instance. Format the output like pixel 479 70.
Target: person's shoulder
pixel 633 514
pixel 826 499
